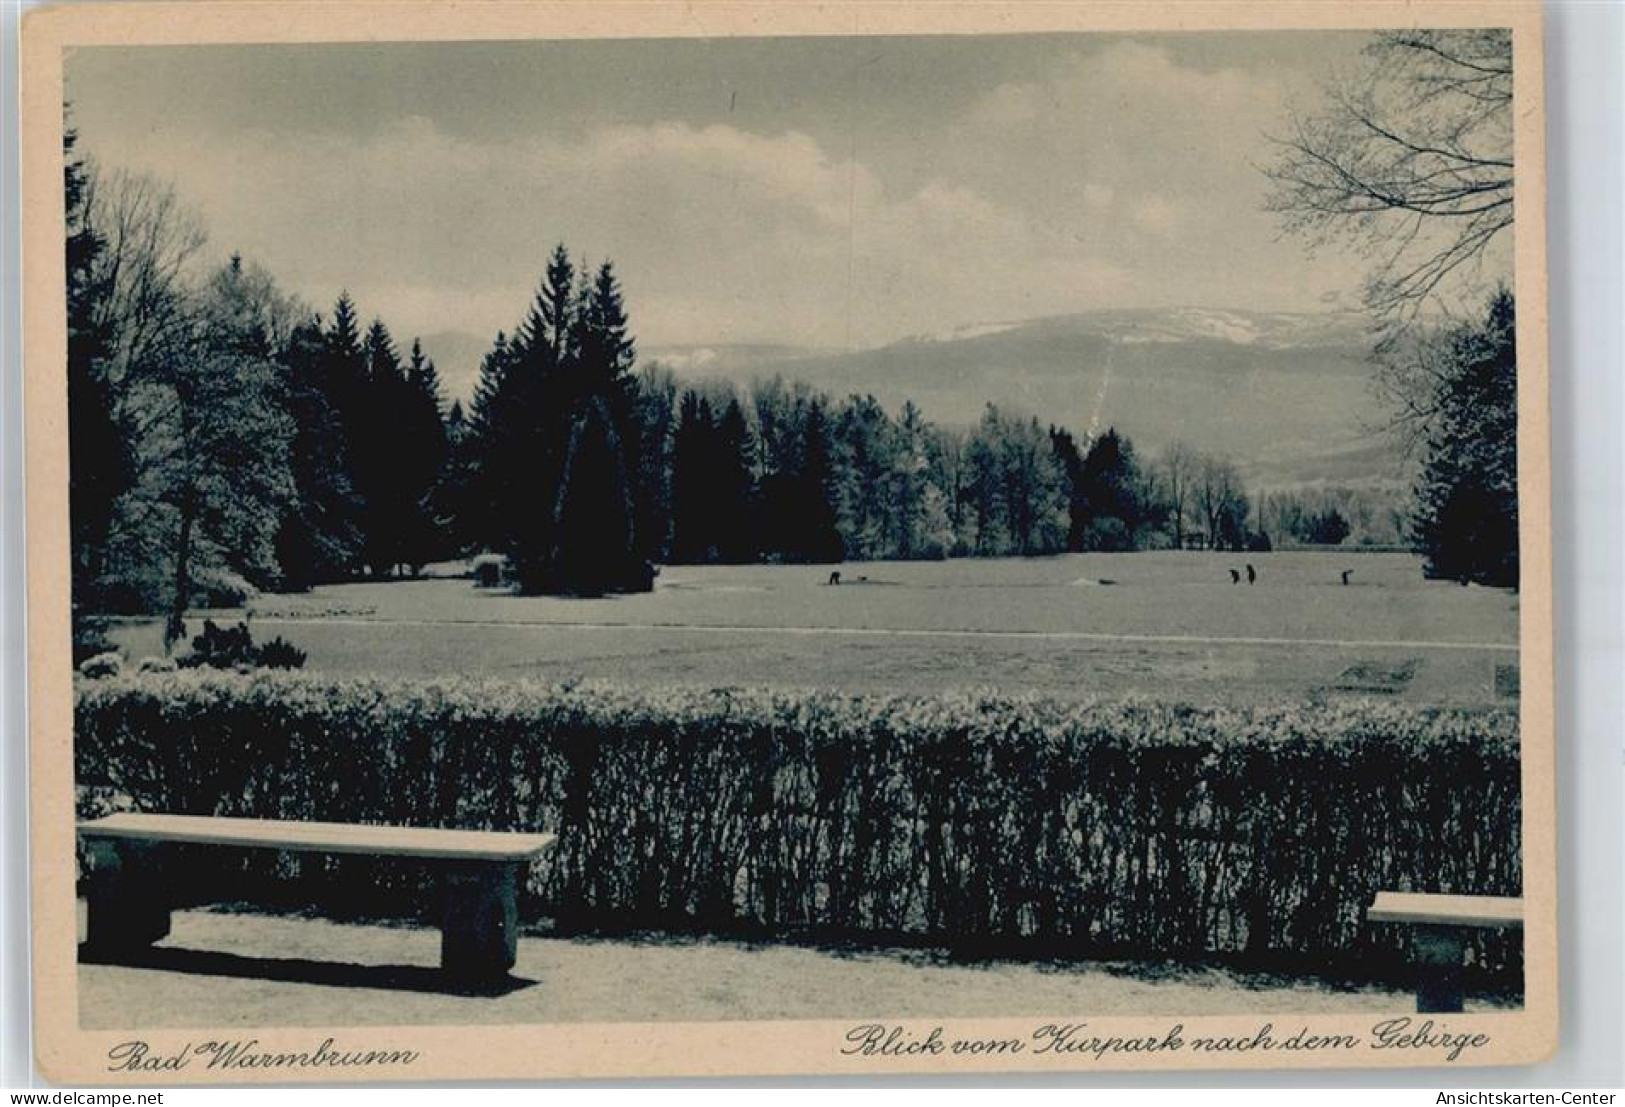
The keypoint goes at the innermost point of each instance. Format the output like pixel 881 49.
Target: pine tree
pixel 550 324
pixel 493 368
pixel 385 516
pixel 1017 491
pixel 599 387
pixel 694 539
pixel 346 369
pixel 1466 519
pixel 1071 464
pixel 421 454
pixel 986 491
pixel 343 381
pixel 451 503
pixel 918 509
pixel 813 526
pixel 863 458
pixel 594 554
pixel 608 350
pixel 319 538
pixel 734 493
pixel 1108 484
pixel 1035 490
pixel 946 450
pixel 100 466
pixel 655 414
pixel 537 408
pixel 487 519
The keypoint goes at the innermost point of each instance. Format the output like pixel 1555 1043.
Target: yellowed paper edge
pixel 71 1055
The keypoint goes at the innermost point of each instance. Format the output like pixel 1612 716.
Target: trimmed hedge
pixel 986 822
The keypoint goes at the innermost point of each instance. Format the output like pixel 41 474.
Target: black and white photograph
pixel 879 530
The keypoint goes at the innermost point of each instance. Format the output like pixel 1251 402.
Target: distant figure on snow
pixel 1235 577
pixel 1346 574
pixel 1251 575
pixel 835 577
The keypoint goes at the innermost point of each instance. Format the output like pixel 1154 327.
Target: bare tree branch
pixel 1410 164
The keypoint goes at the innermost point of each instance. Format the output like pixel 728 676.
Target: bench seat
pixel 1436 910
pixel 302 837
pixel 481 872
pixel 1439 937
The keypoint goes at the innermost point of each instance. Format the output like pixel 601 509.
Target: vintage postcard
pixel 685 539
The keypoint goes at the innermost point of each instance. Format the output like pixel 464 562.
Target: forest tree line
pixel 224 437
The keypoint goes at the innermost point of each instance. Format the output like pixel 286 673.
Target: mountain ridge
pixel 1287 396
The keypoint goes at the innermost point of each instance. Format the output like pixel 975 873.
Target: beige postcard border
pixel 68 1054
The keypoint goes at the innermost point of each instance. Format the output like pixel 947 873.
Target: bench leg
pixel 479 937
pixel 129 909
pixel 1439 954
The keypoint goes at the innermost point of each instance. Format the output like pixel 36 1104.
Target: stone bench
pixel 480 871
pixel 1439 937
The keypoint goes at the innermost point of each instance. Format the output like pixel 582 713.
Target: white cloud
pixel 1152 166
pixel 1117 177
pixel 717 233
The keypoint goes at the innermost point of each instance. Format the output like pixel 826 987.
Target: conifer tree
pixel 734 494
pixel 346 369
pixel 919 518
pixel 320 537
pixel 814 527
pixel 493 368
pixel 492 451
pixel 598 387
pixel 384 514
pixel 100 467
pixel 694 537
pixel 655 414
pixel 1070 462
pixel 537 408
pixel 342 379
pixel 1108 484
pixel 986 491
pixel 420 456
pixel 594 554
pixel 863 457
pixel 607 348
pixel 453 495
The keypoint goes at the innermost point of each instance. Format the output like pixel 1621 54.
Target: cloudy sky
pixel 825 192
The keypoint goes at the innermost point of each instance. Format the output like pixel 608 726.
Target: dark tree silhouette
pixel 320 537
pixel 454 491
pixel 1328 529
pixel 811 524
pixel 421 449
pixel 1071 463
pixel 694 450
pixel 1466 522
pixel 343 379
pixel 216 457
pixel 734 490
pixel 1109 486
pixel 100 468
pixel 655 416
pixel 594 554
pixel 1412 161
pixel 495 452
pixel 372 437
pixel 541 390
